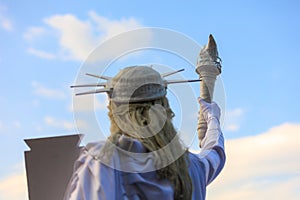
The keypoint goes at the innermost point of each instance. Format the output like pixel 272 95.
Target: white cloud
pixel 5 22
pixel 110 28
pixel 233 119
pixel 265 166
pixel 43 91
pixel 77 38
pixel 57 123
pixel 14 187
pixel 6 127
pixel 34 32
pixel 41 54
pixel 89 103
pixel 63 124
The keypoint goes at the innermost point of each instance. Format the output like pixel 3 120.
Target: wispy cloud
pixel 33 32
pixel 41 54
pixel 5 22
pixel 233 119
pixel 76 38
pixel 265 166
pixel 58 123
pixel 43 91
pixel 6 127
pixel 89 103
pixel 14 187
pixel 64 125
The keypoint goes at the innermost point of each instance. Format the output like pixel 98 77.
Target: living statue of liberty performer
pixel 141 124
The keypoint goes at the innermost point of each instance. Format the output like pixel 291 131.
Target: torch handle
pixel 206 93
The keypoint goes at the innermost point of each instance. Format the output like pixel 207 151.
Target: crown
pixel 133 84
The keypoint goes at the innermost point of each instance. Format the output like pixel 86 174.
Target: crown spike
pixel 181 81
pixel 171 73
pixel 98 76
pixel 93 92
pixel 89 85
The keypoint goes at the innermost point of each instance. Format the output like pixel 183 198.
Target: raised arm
pixel 212 154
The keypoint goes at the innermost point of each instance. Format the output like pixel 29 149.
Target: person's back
pixel 143 158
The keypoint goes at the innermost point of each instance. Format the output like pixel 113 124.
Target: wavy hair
pixel 176 169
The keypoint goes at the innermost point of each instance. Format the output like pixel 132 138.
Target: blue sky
pixel 44 44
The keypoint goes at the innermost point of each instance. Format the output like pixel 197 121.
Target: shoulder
pixel 89 152
pixel 94 147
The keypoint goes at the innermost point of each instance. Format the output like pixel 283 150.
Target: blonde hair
pixel 138 113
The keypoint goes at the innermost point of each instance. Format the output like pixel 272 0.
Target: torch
pixel 208 67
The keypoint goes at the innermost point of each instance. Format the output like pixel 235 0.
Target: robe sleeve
pixel 88 172
pixel 212 154
pixel 75 188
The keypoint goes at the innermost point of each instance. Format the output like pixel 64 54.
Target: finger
pixel 201 101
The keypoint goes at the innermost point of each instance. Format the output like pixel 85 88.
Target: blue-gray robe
pixel 93 180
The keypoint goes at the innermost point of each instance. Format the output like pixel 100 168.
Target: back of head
pixel 137 84
pixel 139 109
